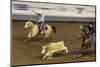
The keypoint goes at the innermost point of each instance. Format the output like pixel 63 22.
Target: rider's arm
pixel 35 12
pixel 41 18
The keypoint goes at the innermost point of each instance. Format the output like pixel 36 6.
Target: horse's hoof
pixel 79 55
pixel 92 49
pixel 43 59
pixel 25 41
pixel 74 56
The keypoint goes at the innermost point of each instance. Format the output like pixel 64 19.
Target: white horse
pixel 34 30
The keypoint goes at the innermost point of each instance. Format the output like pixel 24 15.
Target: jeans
pixel 41 26
pixel 93 40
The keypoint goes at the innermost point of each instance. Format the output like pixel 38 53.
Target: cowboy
pixel 92 30
pixel 40 21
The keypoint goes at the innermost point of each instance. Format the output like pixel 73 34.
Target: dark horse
pixel 85 38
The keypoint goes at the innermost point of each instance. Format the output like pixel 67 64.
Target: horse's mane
pixel 34 22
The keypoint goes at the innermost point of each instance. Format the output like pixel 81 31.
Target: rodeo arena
pixel 47 33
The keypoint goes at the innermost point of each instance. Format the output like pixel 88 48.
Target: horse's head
pixel 28 24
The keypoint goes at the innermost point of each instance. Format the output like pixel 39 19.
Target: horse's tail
pixel 54 29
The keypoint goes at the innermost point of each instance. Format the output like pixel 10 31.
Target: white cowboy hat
pixel 40 12
pixel 91 25
pixel 81 26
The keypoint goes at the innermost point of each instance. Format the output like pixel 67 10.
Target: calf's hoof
pixel 49 58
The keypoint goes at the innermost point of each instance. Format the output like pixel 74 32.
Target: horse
pixel 34 30
pixel 87 39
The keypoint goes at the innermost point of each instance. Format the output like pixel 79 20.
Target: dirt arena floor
pixel 29 53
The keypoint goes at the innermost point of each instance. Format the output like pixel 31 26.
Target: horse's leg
pixel 28 38
pixel 47 36
pixel 89 43
pixel 47 39
pixel 47 33
pixel 66 50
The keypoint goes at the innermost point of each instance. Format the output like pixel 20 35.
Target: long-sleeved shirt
pixel 41 18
